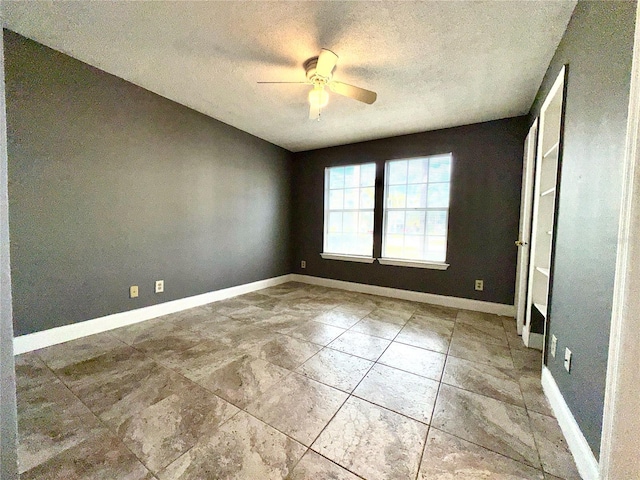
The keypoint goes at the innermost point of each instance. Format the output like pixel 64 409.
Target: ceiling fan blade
pixel 351 91
pixel 314 112
pixel 326 63
pixel 303 83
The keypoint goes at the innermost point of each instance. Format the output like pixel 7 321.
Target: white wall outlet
pixel 303 264
pixel 133 291
pixel 554 346
pixel 480 285
pixel 159 286
pixel 567 359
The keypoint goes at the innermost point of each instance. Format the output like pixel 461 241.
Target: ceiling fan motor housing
pixel 312 76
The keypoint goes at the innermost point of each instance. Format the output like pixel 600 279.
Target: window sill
pixel 347 258
pixel 413 263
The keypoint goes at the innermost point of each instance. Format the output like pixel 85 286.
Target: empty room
pixel 319 240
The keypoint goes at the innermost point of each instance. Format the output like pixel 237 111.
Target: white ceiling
pixel 434 64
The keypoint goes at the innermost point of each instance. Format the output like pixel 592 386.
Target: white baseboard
pixel 442 300
pixel 53 336
pixel 582 454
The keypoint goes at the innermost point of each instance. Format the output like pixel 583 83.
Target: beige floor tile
pixel 495 425
pixel 298 406
pixel 316 332
pixel 447 457
pixel 377 328
pixel 402 392
pixel 414 360
pixel 340 318
pixel 286 352
pixel 160 433
pixel 427 332
pixel 554 452
pixel 360 345
pixel 80 350
pixel 481 352
pixel 243 379
pixel 499 383
pixel 373 442
pixel 99 457
pixel 316 467
pixel 336 369
pixel 243 448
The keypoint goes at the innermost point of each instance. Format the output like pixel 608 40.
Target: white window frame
pixel 326 254
pixel 437 264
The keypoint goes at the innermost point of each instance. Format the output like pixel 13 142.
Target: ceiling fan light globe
pixel 318 97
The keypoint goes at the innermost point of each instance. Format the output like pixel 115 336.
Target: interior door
pixel 524 232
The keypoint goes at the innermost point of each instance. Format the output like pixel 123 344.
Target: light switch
pixel 567 360
pixel 133 291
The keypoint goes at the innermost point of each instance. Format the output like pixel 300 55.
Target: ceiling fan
pixel 319 72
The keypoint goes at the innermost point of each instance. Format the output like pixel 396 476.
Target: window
pixel 349 198
pixel 416 209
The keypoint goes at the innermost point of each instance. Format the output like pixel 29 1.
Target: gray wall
pixel 598 47
pixel 111 186
pixel 8 424
pixel 483 217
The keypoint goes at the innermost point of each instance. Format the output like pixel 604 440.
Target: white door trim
pixel 524 231
pixel 621 423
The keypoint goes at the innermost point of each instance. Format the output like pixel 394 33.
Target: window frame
pixel 328 255
pixel 415 262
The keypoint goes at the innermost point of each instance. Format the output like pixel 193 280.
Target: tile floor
pixel 294 381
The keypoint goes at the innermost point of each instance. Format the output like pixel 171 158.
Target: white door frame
pixel 619 456
pixel 524 231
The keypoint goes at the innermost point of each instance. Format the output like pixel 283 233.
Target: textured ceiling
pixel 433 64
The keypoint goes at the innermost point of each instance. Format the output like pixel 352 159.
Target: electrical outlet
pixel 567 359
pixel 554 346
pixel 159 286
pixel 133 291
pixel 480 285
pixel 303 264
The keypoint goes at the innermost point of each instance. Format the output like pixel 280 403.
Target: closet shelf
pixel 542 308
pixel 552 150
pixel 548 191
pixel 544 271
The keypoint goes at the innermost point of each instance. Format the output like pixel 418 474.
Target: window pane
pixel 351 198
pixel 335 222
pixel 397 172
pixel 365 224
pixel 336 177
pixel 395 222
pixel 416 196
pixel 335 199
pixel 397 197
pixel 438 195
pixel 393 246
pixel 368 175
pixel 416 208
pixel 440 169
pixel 414 223
pixel 365 244
pixel 413 247
pixel 350 222
pixel 352 176
pixel 334 242
pixel 349 204
pixel 367 198
pixel 350 243
pixel 437 223
pixel 418 170
pixel 436 248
